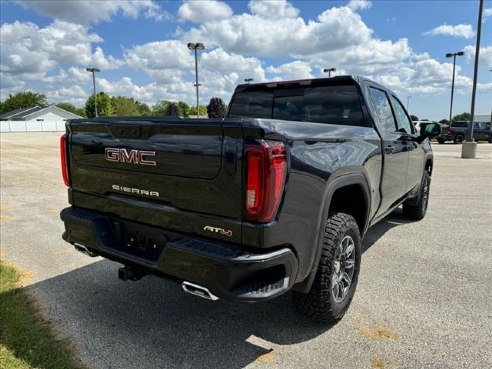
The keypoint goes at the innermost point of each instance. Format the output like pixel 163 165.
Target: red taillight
pixel 265 168
pixel 64 162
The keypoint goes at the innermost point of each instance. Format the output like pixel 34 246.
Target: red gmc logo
pixel 132 156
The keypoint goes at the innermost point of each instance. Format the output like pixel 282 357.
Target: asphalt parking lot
pixel 424 298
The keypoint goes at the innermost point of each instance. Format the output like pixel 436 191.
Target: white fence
pixel 32 126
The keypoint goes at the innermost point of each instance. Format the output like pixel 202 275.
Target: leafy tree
pixel 203 111
pixel 173 110
pixel 105 106
pixel 143 108
pixel 160 107
pixel 414 118
pixel 462 116
pixel 71 108
pixel 22 100
pixel 128 106
pixel 184 107
pixel 216 108
pixel 444 121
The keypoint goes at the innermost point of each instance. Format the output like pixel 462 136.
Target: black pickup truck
pixel 275 197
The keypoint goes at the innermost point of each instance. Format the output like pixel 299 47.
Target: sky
pixel 141 48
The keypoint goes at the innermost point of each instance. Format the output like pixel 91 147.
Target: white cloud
pixel 85 12
pixel 485 55
pixel 249 34
pixel 204 11
pixel 160 60
pixel 460 30
pixel 149 93
pixel 292 71
pixel 219 60
pixel 374 56
pixel 32 52
pixel 359 4
pixel 487 12
pixel 273 9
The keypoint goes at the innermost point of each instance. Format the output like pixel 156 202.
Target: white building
pixel 36 119
pixel 483 118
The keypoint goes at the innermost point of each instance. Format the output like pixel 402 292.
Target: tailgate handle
pixel 125 131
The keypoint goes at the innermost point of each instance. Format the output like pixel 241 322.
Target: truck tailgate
pixel 173 167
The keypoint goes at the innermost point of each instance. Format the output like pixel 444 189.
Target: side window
pixel 402 121
pixel 383 110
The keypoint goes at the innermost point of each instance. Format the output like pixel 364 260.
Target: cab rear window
pixel 337 104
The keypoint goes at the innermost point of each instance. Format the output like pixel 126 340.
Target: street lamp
pixel 408 102
pixel 94 71
pixel 196 47
pixel 453 55
pixel 329 70
pixel 249 80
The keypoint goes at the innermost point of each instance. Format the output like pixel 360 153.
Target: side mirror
pixel 430 130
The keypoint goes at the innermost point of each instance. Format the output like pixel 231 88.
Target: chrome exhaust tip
pixel 84 250
pixel 198 290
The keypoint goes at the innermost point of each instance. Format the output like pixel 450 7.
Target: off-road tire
pixel 416 209
pixel 319 303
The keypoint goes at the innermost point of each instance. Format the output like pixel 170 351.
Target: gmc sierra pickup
pixel 275 197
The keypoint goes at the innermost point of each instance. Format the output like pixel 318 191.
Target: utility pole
pixel 196 47
pixel 453 55
pixel 94 71
pixel 329 70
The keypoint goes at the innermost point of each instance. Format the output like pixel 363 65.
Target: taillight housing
pixel 266 166
pixel 64 161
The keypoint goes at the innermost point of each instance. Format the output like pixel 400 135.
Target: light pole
pixel 329 70
pixel 453 55
pixel 196 47
pixel 94 71
pixel 249 80
pixel 408 102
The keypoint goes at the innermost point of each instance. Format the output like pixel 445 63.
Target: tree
pixel 22 100
pixel 414 118
pixel 216 108
pixel 203 111
pixel 184 107
pixel 173 110
pixel 444 121
pixel 128 106
pixel 105 106
pixel 160 107
pixel 462 116
pixel 71 108
pixel 143 108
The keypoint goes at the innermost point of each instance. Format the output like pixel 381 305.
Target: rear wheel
pixel 338 270
pixel 417 208
pixel 440 140
pixel 459 139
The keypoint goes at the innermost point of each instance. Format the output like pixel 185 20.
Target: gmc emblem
pixel 132 156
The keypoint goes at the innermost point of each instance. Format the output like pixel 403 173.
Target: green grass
pixel 26 339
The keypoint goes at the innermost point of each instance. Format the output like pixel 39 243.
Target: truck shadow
pixel 394 219
pixel 153 324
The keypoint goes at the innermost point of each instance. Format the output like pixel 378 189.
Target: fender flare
pixel 335 182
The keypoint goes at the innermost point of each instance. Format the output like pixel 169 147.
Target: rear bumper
pixel 227 271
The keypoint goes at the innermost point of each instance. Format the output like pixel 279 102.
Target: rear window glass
pixel 460 124
pixel 338 104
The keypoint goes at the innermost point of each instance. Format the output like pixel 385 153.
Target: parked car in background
pixel 458 131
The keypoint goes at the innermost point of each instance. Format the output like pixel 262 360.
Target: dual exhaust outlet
pixel 133 274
